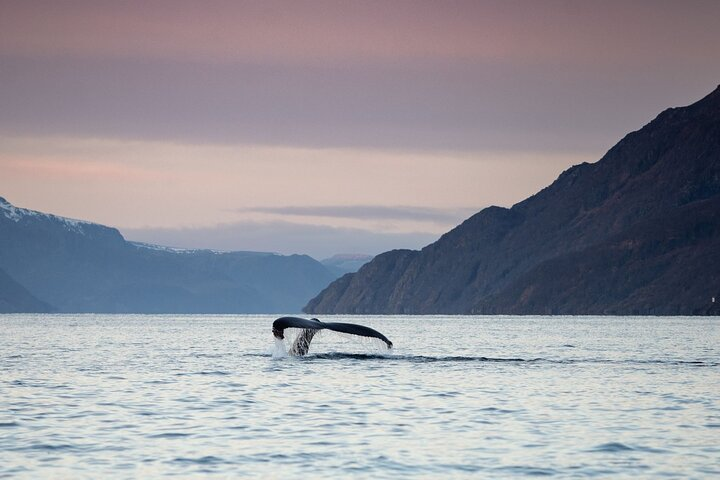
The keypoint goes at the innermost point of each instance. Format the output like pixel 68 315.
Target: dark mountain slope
pixel 656 267
pixel 83 267
pixel 672 162
pixel 14 298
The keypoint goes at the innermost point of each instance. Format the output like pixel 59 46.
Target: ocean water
pixel 133 396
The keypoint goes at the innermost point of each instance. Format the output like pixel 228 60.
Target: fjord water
pixel 124 396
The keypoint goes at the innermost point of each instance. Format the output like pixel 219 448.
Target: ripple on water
pixel 206 460
pixel 170 435
pixel 497 410
pixel 617 447
pixel 612 447
pixel 410 358
pixel 202 372
pixel 460 467
pixel 510 398
pixel 49 447
pixel 527 471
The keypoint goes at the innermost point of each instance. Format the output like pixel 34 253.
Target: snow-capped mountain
pixel 78 266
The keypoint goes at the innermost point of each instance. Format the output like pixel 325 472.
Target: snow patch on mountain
pixel 17 214
pixel 162 248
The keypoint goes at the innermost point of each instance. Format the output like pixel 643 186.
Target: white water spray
pixel 279 349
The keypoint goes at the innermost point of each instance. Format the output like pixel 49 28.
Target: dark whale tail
pixel 312 326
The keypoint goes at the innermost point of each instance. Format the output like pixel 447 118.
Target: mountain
pixel 637 232
pixel 343 263
pixel 14 298
pixel 78 266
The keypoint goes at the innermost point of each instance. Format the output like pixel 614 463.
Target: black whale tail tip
pixel 311 326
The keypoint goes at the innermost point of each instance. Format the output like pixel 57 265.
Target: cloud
pixel 368 212
pixel 135 184
pixel 282 237
pixel 296 31
pixel 422 75
pixel 411 105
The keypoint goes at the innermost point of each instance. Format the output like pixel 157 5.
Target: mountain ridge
pixel 78 266
pixel 670 162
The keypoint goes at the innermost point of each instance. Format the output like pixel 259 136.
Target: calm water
pixel 119 396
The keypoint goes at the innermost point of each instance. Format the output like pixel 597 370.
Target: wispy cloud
pixel 368 212
pixel 161 184
pixel 483 106
pixel 320 30
pixel 417 75
pixel 317 241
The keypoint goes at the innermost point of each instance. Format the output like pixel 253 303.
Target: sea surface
pixel 150 396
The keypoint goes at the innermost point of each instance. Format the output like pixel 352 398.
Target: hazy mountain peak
pixel 343 257
pixel 343 263
pixel 18 214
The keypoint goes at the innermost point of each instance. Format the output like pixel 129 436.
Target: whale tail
pixel 310 327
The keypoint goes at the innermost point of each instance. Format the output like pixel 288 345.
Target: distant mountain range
pixel 51 263
pixel 345 262
pixel 638 232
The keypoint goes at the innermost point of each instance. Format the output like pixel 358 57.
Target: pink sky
pixel 214 123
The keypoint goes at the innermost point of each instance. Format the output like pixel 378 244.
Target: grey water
pixel 143 396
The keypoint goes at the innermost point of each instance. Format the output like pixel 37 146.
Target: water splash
pixel 279 349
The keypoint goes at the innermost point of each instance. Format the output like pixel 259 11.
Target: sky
pixel 325 127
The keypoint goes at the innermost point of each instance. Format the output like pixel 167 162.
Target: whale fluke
pixel 312 326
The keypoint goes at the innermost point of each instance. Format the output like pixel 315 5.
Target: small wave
pixel 411 358
pixel 466 468
pixel 631 361
pixel 442 394
pixel 207 355
pixel 617 447
pixel 49 447
pixel 528 471
pixel 170 435
pixel 207 460
pixel 37 384
pixel 689 363
pixel 9 424
pixel 612 447
pixel 203 372
pixel 461 358
pixel 497 410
